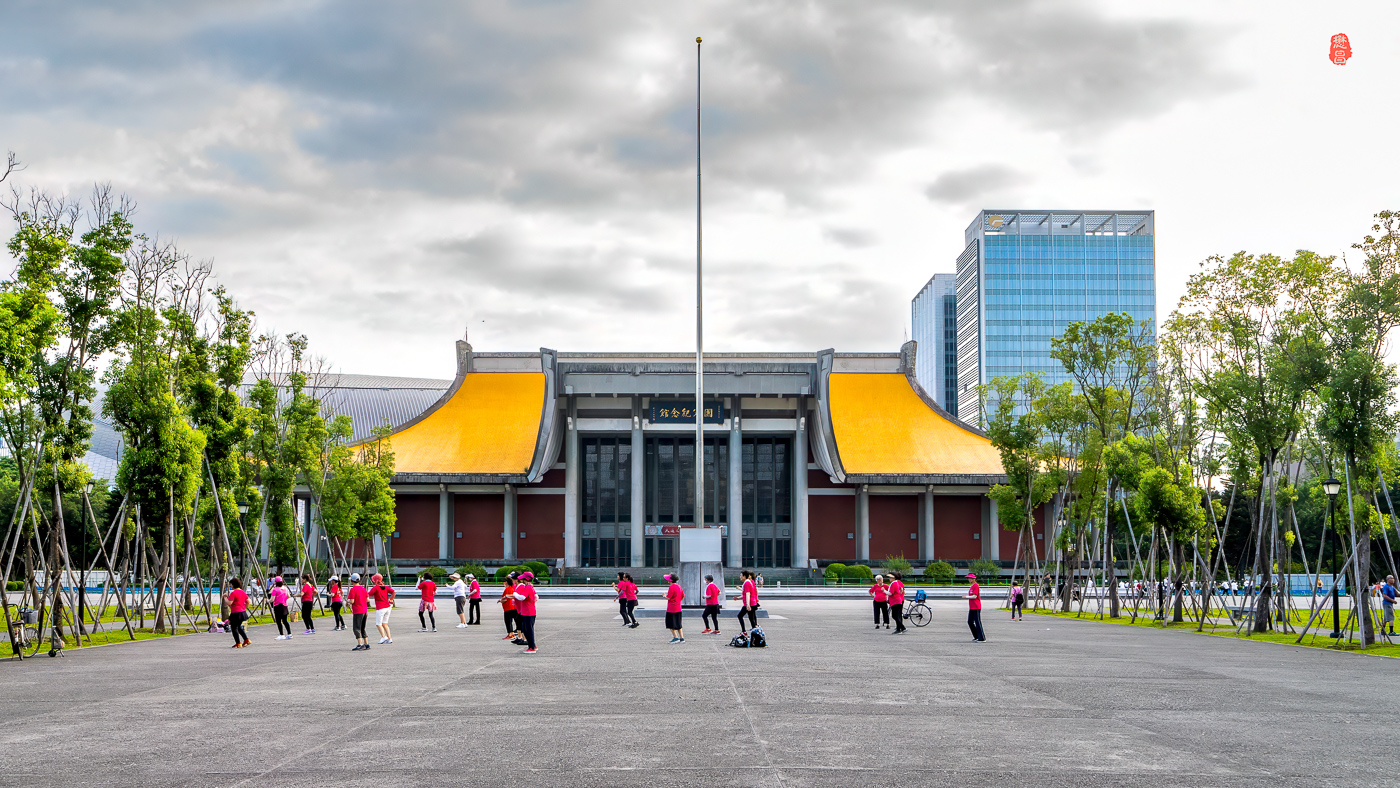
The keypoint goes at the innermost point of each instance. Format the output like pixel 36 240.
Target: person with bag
pixel 896 592
pixel 427 603
pixel 280 598
pixel 748 600
pixel 1018 598
pixel 711 606
pixel 337 598
pixel 525 598
pixel 308 603
pixel 238 613
pixel 880 594
pixel 674 595
pixel 383 594
pixel 359 613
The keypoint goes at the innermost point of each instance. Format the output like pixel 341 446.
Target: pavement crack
pixel 748 715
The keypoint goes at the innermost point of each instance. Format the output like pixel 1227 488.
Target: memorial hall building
pixel 587 460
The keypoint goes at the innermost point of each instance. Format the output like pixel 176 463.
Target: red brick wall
pixel 892 519
pixel 480 519
pixel 955 519
pixel 541 519
pixel 416 531
pixel 829 519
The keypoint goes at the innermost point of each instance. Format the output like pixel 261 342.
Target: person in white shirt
pixel 459 595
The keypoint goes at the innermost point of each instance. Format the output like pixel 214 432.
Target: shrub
pixel 985 569
pixel 14 585
pixel 437 573
pixel 833 571
pixel 505 570
pixel 540 568
pixel 477 570
pixel 939 571
pixel 896 563
pixel 857 572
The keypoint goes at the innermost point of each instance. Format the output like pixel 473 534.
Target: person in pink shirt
pixel 473 602
pixel 620 586
pixel 359 613
pixel 974 610
pixel 896 592
pixel 630 594
pixel 280 598
pixel 880 593
pixel 427 602
pixel 308 603
pixel 238 613
pixel 748 600
pixel 525 599
pixel 674 596
pixel 711 606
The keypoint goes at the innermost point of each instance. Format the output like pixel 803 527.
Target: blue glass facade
pixel 933 315
pixel 1026 276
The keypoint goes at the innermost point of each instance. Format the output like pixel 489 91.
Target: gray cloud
pixel 961 186
pixel 850 237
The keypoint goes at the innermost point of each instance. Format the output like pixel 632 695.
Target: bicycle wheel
pixel 31 641
pixel 920 615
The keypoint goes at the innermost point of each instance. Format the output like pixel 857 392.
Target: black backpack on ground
pixel 740 640
pixel 757 639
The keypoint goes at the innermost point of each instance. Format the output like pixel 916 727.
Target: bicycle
pixel 24 634
pixel 919 613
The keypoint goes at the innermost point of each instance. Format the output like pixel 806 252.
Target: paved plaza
pixel 831 703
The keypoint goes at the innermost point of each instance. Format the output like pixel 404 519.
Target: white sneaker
pixel 434 630
pixel 390 640
pixel 422 629
pixel 461 626
pixel 281 637
pixel 382 641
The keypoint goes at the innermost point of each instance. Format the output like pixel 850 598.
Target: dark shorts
pixel 673 620
pixel 461 604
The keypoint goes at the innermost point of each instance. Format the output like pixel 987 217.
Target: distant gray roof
pixel 373 400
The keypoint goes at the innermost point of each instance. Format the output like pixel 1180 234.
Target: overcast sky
pixel 380 175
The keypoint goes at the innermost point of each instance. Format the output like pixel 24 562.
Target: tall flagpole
pixel 699 320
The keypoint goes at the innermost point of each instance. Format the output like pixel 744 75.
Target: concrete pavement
pixel 832 702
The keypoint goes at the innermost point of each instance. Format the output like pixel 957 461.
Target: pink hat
pixel 527 576
pixel 971 575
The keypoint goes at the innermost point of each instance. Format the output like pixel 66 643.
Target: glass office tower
pixel 1024 276
pixel 935 326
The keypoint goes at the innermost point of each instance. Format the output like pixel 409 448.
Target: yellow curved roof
pixel 489 426
pixel 881 425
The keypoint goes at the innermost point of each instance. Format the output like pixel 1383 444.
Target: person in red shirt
pixel 427 602
pixel 620 586
pixel 508 607
pixel 880 593
pixel 337 602
pixel 525 597
pixel 674 595
pixel 712 606
pixel 359 613
pixel 308 603
pixel 896 591
pixel 748 600
pixel 383 594
pixel 974 610
pixel 238 613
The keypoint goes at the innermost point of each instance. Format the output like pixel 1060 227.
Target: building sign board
pixel 667 411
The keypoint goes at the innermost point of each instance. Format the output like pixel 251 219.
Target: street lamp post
pixel 699 321
pixel 242 542
pixel 1331 486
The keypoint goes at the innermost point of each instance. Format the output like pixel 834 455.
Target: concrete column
pixel 510 539
pixel 264 539
pixel 991 539
pixel 863 523
pixel 444 522
pixel 571 480
pixel 313 530
pixel 926 503
pixel 639 488
pixel 380 553
pixel 736 485
pixel 799 488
